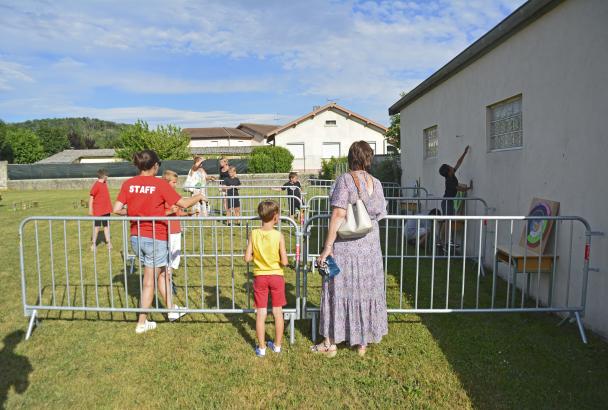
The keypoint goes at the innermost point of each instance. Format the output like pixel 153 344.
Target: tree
pixel 269 159
pixel 393 135
pixel 54 139
pixel 169 142
pixel 23 146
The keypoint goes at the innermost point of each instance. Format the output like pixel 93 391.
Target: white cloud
pixel 11 74
pixel 153 115
pixel 363 51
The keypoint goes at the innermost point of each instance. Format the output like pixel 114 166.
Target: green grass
pixel 428 361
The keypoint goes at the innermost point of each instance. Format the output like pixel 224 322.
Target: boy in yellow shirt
pixel 266 248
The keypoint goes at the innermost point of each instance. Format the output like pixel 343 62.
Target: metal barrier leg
pixel 292 328
pixel 33 322
pixel 313 330
pixel 581 329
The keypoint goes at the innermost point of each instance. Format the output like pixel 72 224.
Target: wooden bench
pixel 526 262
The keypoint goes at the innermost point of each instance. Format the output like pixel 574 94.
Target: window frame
pixel 425 139
pixel 489 121
pixel 332 143
pixel 303 149
pixel 331 123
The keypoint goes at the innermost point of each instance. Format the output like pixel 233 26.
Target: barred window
pixel 431 142
pixel 505 129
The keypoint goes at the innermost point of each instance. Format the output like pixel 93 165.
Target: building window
pixel 431 142
pixel 373 145
pixel 330 123
pixel 297 150
pixel 331 149
pixel 505 125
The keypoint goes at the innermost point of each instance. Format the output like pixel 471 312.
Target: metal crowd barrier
pixel 454 282
pixel 60 271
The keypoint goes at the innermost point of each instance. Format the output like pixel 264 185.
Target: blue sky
pixel 199 63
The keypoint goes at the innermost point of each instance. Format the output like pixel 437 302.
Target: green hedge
pixel 328 167
pixel 269 159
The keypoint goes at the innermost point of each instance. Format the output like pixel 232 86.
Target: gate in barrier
pixel 452 279
pixel 61 272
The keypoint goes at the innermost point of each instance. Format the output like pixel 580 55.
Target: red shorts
pixel 273 283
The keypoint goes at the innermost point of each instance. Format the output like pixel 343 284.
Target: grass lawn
pixel 429 361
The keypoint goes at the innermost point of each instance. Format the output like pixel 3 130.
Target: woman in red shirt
pixel 146 195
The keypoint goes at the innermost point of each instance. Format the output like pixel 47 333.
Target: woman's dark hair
pixel 434 211
pixel 444 170
pixel 360 156
pixel 145 160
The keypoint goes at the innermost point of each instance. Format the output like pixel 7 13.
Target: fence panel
pixel 422 276
pixel 61 272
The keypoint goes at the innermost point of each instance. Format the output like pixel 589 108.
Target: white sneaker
pixel 173 316
pixel 148 325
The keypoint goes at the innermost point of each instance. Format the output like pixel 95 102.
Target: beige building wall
pixel 558 64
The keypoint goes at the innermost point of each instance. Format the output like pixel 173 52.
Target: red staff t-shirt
pixel 147 196
pixel 102 205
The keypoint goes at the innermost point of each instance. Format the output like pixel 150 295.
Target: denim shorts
pixel 154 253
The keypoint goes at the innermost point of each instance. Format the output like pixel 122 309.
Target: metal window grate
pixel 505 125
pixel 431 142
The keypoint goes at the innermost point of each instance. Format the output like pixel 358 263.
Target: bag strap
pixel 357 183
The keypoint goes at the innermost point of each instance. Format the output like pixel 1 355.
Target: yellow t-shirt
pixel 266 257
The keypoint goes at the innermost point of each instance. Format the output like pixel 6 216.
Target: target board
pixel 536 232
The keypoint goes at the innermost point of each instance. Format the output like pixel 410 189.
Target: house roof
pixel 216 133
pixel 331 106
pixel 516 21
pixel 70 156
pixel 261 129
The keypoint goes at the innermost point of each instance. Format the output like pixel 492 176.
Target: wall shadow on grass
pixel 16 368
pixel 511 360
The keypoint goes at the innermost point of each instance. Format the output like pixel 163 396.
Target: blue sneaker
pixel 276 349
pixel 259 352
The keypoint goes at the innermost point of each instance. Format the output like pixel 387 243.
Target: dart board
pixel 536 231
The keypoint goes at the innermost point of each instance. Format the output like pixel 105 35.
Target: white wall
pixel 313 133
pixel 220 142
pixel 558 64
pixel 99 160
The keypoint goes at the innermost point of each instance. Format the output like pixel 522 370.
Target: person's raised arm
pixel 248 257
pixel 188 202
pixel 459 162
pixel 283 251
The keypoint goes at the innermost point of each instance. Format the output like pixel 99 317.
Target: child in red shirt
pixel 146 195
pixel 100 205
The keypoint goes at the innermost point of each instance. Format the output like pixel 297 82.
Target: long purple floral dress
pixel 353 304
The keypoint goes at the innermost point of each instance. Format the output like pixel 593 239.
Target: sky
pixel 220 63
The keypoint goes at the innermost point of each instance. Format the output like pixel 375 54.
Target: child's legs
pixel 237 211
pixel 279 325
pixel 95 233
pixel 276 284
pixel 260 330
pixel 106 233
pixel 260 298
pixel 164 287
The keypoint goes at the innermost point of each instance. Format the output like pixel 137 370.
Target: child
pixel 232 194
pixel 293 188
pixel 197 184
pixel 100 205
pixel 175 242
pixel 266 248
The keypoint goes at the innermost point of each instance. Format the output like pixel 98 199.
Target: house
pixel 326 132
pixel 529 97
pixel 221 137
pixel 82 156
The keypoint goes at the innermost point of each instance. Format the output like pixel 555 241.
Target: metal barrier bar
pixel 439 278
pixel 49 286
